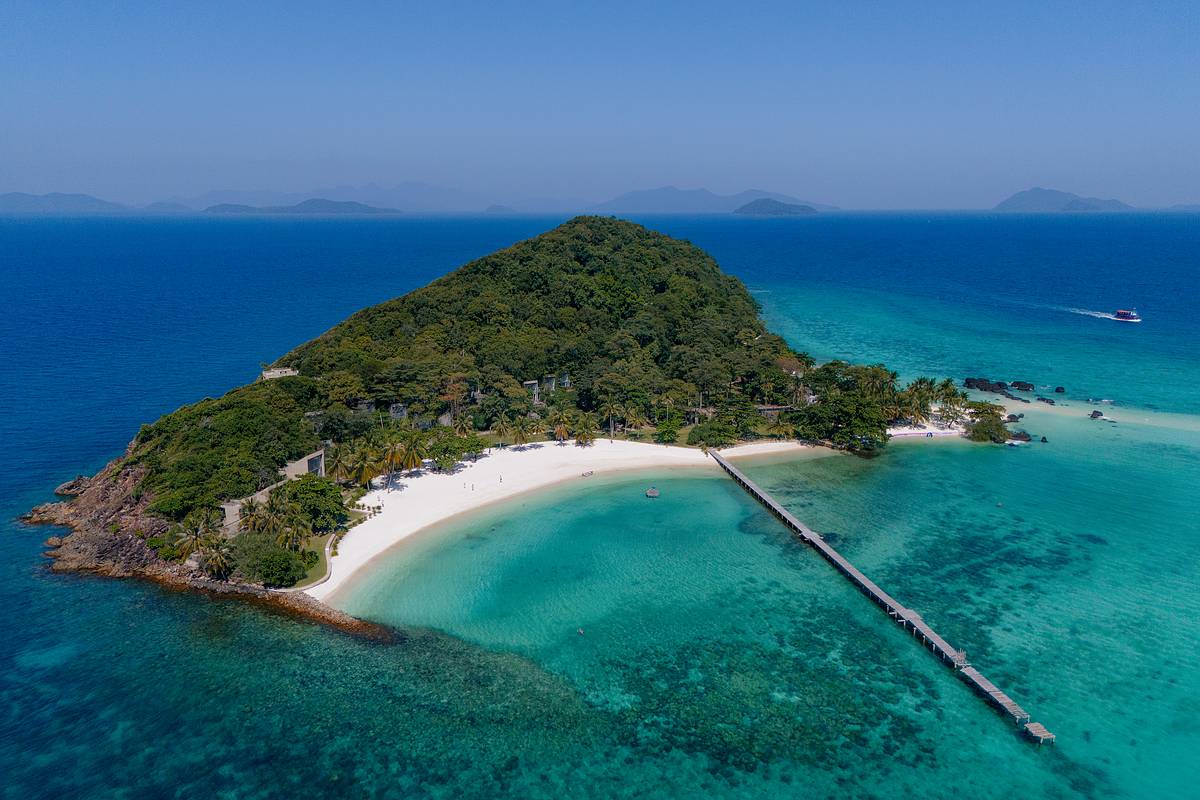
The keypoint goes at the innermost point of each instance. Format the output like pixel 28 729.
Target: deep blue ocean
pixel 1069 570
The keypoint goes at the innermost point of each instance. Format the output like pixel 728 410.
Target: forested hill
pixel 620 308
pixel 631 316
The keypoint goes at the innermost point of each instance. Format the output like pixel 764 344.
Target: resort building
pixel 534 388
pixel 278 372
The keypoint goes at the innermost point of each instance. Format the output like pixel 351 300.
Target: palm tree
pixel 216 557
pixel 947 391
pixel 502 427
pixel 464 425
pixel 295 530
pixel 668 403
pixel 610 409
pixel 197 526
pixel 915 406
pixel 364 465
pixel 584 429
pixel 252 515
pixel 414 451
pixel 634 418
pixel 337 462
pixel 393 452
pixel 878 382
pixel 560 425
pixel 522 430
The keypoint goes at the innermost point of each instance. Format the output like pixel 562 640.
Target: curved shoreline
pixel 416 502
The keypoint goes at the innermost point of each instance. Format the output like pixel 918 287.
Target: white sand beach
pixel 930 430
pixel 419 500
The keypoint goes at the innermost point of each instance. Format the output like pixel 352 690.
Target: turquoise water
pixel 718 656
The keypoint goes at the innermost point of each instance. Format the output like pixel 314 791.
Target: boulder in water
pixel 1096 414
pixel 1059 390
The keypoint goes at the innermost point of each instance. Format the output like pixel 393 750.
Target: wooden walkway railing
pixel 911 620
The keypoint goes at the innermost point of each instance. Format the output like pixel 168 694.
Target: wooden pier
pixel 955 659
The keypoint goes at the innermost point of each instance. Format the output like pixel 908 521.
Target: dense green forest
pixel 643 329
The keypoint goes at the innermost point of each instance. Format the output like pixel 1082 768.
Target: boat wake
pixel 1087 312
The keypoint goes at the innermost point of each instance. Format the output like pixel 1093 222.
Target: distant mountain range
pixel 673 200
pixel 1038 200
pixel 766 207
pixel 56 203
pixel 417 198
pixel 315 205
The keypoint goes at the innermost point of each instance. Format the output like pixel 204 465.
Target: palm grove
pixel 657 341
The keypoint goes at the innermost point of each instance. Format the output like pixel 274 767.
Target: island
pixel 1040 201
pixel 766 207
pixel 314 206
pixel 598 345
pixel 673 200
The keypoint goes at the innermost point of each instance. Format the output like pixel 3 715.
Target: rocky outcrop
pixel 1096 414
pixel 110 526
pixel 1022 386
pixel 1047 400
pixel 1059 390
pixel 995 387
pixel 1020 436
pixel 109 523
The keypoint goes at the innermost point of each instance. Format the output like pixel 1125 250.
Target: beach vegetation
pixel 986 423
pixel 189 535
pixel 712 433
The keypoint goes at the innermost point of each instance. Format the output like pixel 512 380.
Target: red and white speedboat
pixel 1121 315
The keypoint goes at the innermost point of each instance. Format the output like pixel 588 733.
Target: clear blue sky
pixel 866 105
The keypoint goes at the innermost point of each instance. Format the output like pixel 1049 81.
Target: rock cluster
pixel 1005 388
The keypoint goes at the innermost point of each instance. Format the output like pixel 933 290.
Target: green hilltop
pixel 632 326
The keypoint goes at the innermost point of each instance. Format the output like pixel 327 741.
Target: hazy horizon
pixel 872 108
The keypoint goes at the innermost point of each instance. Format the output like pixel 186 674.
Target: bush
pixel 281 568
pixel 667 432
pixel 319 499
pixel 164 548
pixel 712 433
pixel 987 425
pixel 258 558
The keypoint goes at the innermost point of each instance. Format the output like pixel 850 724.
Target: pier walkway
pixel 955 659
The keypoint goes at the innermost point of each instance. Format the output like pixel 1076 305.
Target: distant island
pixel 56 203
pixel 766 207
pixel 597 328
pixel 1039 201
pixel 672 200
pixel 314 206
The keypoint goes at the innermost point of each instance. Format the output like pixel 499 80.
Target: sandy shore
pixel 928 431
pixel 417 501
